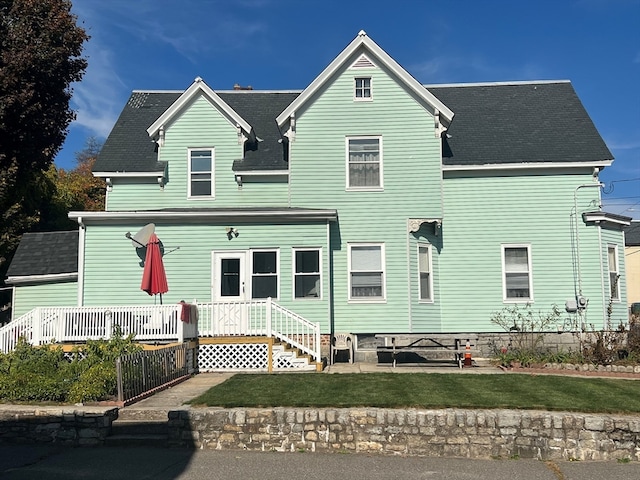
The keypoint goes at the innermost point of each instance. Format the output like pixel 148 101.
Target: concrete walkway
pixel 176 396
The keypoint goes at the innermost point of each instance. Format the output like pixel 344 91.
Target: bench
pixel 398 343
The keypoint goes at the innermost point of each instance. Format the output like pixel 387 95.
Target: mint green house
pixel 366 203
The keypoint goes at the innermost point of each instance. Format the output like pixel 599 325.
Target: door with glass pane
pixel 229 293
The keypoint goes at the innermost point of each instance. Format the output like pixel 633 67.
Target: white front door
pixel 229 293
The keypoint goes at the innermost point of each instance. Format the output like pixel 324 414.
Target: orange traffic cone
pixel 467 355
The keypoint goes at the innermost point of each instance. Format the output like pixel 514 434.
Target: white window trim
pixel 378 188
pixel 251 274
pixel 363 99
pixel 506 299
pixel 213 174
pixel 293 273
pixel 617 298
pixel 383 261
pixel 429 248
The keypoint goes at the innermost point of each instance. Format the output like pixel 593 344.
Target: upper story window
pixel 516 273
pixel 424 272
pixel 307 273
pixel 201 163
pixel 614 276
pixel 364 163
pixel 366 272
pixel 362 88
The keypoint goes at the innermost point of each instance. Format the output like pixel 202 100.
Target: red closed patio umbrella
pixel 154 278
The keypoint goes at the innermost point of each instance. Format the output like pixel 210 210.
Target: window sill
pixel 364 189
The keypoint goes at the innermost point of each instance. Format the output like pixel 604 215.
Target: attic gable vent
pixel 363 62
pixel 137 99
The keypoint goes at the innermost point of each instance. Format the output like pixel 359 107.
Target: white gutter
pixel 209 215
pixel 525 166
pixel 56 277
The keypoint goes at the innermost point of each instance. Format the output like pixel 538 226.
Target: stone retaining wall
pixel 72 426
pixel 446 432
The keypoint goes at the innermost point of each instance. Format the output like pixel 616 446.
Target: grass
pixel 426 390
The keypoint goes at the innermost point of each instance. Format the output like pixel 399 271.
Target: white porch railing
pixel 162 323
pixel 259 317
pixel 77 324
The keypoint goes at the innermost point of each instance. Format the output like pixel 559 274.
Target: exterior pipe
pixel 81 241
pixel 577 234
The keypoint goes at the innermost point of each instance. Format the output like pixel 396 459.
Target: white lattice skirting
pixel 254 357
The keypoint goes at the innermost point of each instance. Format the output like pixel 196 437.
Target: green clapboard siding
pixel 116 278
pixel 199 125
pixel 411 179
pixel 482 213
pixel 619 311
pixel 60 294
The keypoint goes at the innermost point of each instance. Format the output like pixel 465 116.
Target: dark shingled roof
pixel 632 234
pixel 128 147
pixel 45 253
pixel 519 122
pixel 501 123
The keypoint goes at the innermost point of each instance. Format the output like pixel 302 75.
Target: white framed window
pixel 364 163
pixel 307 279
pixel 362 90
pixel 516 273
pixel 366 272
pixel 264 273
pixel 425 280
pixel 614 273
pixel 201 172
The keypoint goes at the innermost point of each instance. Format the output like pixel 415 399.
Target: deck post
pixel 180 328
pixel 36 327
pixel 317 342
pixel 268 319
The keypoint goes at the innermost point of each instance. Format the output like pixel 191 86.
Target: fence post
pixel 180 326
pixel 119 375
pixel 268 314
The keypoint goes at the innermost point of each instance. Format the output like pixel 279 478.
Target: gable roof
pixel 632 234
pixel 362 41
pixel 522 122
pixel 45 254
pixel 197 87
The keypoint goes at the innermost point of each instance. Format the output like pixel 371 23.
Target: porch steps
pixel 148 427
pixel 286 358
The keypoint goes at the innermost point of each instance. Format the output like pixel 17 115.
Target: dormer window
pixel 362 88
pixel 201 173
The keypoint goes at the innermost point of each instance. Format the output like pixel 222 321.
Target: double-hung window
pixel 201 163
pixel 306 273
pixel 364 163
pixel 366 272
pixel 516 273
pixel 264 274
pixel 614 276
pixel 424 272
pixel 362 88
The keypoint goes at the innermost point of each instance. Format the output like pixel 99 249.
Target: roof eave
pixel 526 165
pixel 56 277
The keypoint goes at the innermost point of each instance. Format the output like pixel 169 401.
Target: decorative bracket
pixel 416 223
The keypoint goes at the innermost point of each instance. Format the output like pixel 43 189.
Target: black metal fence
pixel 147 370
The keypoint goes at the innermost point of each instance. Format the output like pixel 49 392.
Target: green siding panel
pixel 28 297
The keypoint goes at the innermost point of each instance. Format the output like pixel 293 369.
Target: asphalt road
pixel 109 463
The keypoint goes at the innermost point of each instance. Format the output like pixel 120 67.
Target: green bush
pixel 43 374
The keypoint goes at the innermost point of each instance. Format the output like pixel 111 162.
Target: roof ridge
pixel 491 84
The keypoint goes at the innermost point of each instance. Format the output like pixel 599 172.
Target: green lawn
pixel 426 390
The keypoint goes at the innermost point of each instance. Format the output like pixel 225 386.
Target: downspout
pixel 410 297
pixel 81 240
pixel 604 300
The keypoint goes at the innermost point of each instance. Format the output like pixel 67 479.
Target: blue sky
pixel 285 44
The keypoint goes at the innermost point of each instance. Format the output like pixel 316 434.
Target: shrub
pixel 44 374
